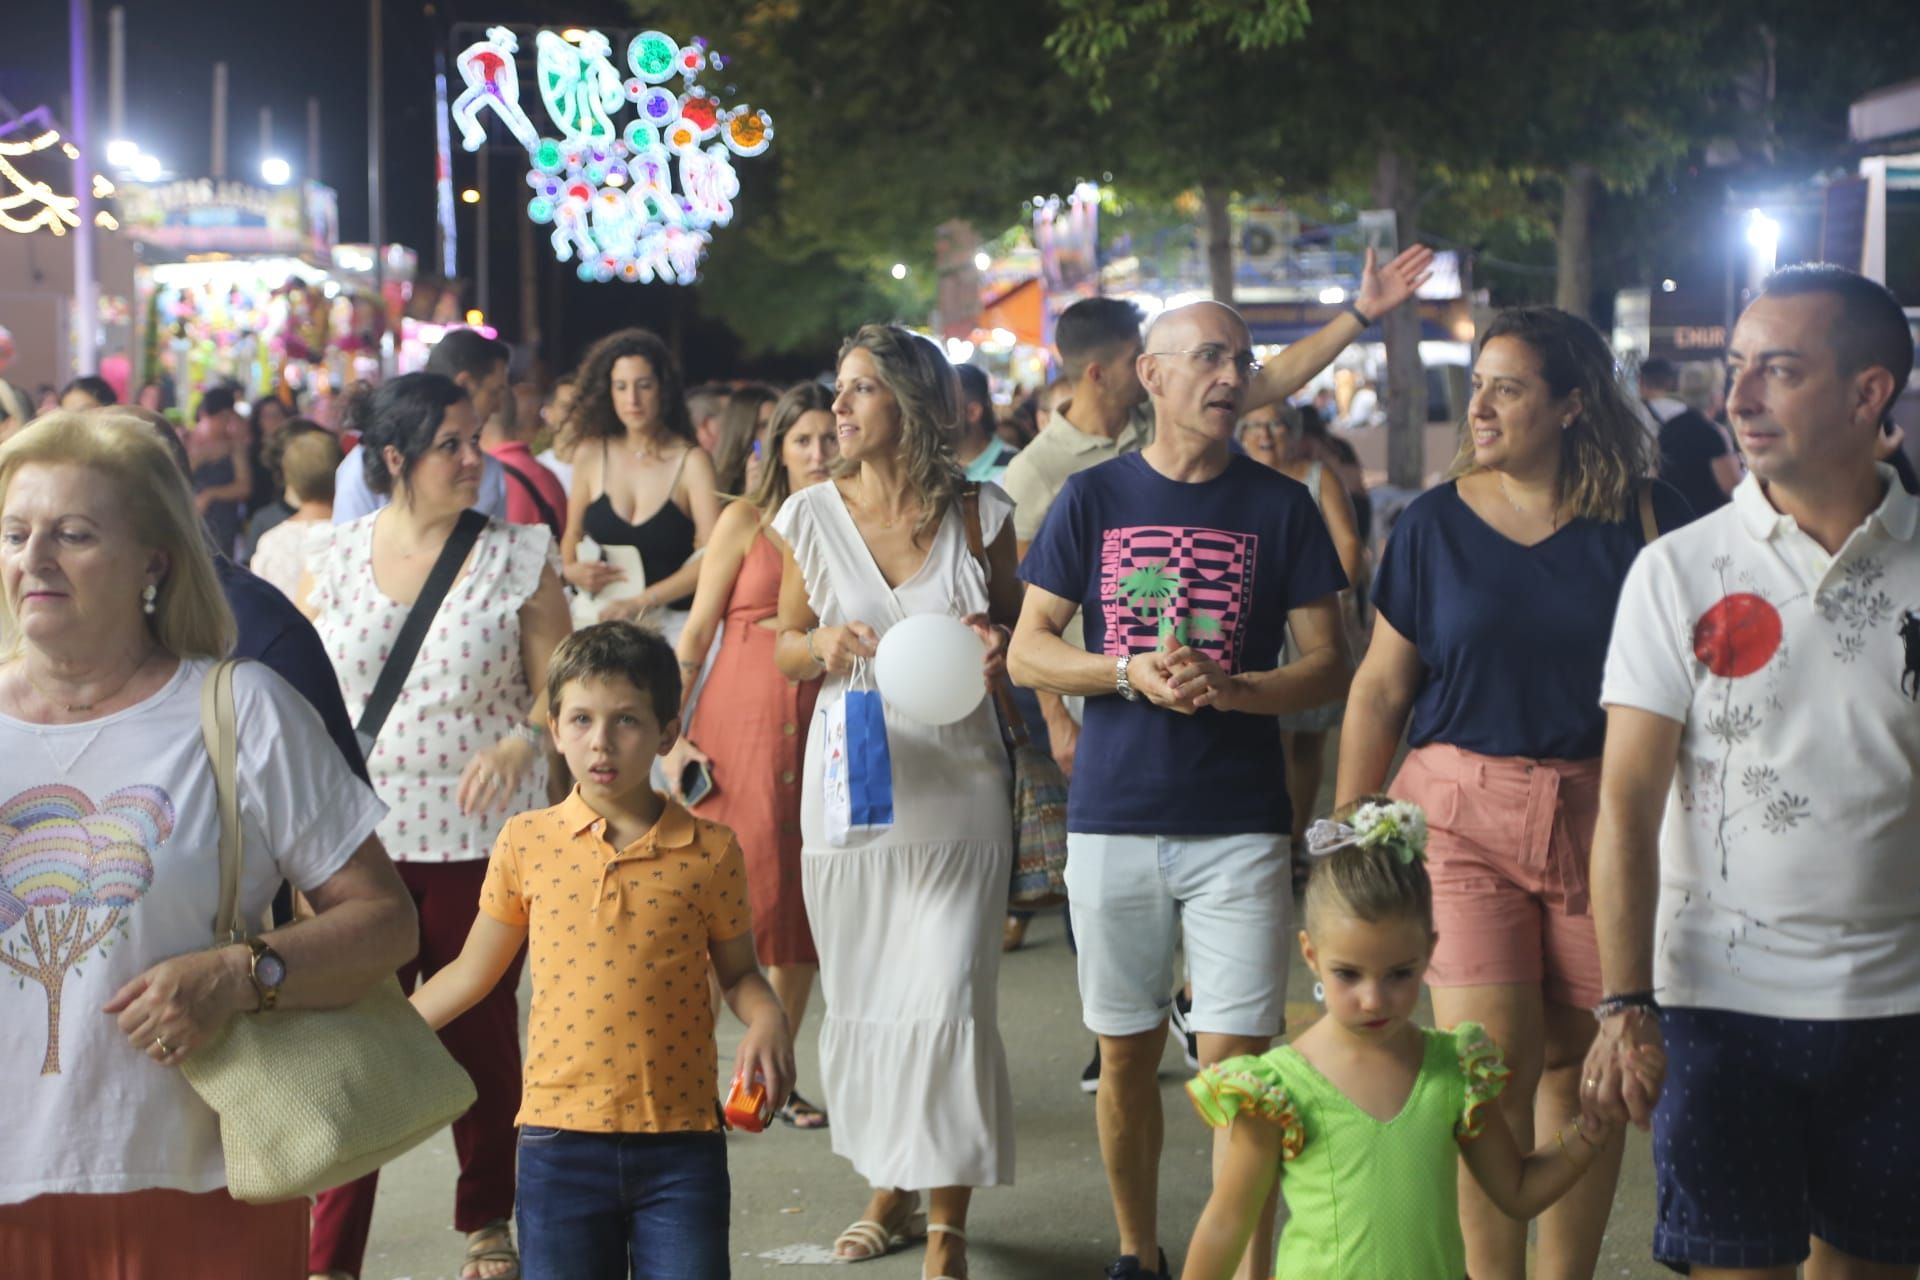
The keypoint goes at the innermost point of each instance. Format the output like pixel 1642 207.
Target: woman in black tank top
pixel 638 443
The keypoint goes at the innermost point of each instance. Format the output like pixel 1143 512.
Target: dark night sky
pixel 279 56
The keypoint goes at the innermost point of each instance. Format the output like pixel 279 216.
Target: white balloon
pixel 928 667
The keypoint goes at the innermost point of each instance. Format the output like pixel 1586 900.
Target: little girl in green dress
pixel 1366 1114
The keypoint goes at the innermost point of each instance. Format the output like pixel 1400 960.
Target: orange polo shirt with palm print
pixel 620 1035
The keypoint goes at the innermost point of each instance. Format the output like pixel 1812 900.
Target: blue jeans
pixel 609 1206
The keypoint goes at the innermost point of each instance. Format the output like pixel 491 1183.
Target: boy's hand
pixel 768 1049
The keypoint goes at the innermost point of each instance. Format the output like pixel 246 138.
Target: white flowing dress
pixel 908 919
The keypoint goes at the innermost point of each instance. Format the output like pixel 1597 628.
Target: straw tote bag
pixel 309 1099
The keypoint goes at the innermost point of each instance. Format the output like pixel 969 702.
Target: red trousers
pixel 152 1235
pixel 485 1040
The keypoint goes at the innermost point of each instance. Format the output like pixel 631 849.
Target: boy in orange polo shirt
pixel 622 898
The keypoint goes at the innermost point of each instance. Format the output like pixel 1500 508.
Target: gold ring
pixel 1593 1082
pixel 162 1044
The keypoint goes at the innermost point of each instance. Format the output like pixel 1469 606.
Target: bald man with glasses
pixel 1188 562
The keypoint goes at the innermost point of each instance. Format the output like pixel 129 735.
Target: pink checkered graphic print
pixel 1193 584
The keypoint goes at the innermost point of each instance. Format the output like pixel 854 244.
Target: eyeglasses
pixel 1213 355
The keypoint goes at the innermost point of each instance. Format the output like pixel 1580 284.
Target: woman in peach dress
pixel 749 725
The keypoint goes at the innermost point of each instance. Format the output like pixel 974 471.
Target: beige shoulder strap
pixel 1649 527
pixel 217 728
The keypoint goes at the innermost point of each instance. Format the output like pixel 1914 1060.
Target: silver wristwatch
pixel 1122 685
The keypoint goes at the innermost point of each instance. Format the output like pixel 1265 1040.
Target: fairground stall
pixel 247 284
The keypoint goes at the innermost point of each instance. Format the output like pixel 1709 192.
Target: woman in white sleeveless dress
pixel 907 916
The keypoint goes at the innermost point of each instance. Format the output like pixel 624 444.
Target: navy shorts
pixel 1772 1130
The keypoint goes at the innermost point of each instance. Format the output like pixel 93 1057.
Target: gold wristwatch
pixel 268 972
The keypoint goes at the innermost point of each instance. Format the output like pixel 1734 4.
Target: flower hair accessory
pixel 1390 824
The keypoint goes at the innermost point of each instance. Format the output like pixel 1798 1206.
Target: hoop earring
pixel 147 598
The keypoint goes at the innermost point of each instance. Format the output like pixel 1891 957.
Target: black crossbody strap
pixel 548 516
pixel 406 646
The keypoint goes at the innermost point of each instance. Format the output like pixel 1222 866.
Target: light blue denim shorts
pixel 1133 897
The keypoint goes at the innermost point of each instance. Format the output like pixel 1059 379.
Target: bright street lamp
pixel 122 154
pixel 275 172
pixel 470 196
pixel 146 168
pixel 1763 233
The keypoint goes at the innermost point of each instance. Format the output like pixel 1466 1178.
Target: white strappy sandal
pixel 876 1239
pixel 944 1229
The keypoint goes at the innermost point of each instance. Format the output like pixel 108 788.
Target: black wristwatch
pixel 268 972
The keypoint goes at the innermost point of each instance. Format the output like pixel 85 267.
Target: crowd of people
pixel 1627 715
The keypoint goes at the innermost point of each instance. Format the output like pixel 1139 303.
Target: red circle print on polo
pixel 1737 636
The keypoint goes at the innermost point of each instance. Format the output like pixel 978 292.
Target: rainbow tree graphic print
pixel 68 873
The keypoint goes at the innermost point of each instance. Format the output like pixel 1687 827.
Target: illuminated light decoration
pixel 101 187
pixel 30 205
pixel 654 56
pixel 579 85
pixel 493 82
pixel 105 220
pixel 748 132
pixel 636 202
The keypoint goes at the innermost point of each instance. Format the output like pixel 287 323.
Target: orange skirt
pixel 153 1235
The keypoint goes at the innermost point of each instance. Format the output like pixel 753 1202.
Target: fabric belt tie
pixel 1561 866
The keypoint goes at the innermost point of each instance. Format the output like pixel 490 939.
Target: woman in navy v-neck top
pixel 1496 597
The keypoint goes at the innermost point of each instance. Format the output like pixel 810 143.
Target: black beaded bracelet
pixel 1642 1000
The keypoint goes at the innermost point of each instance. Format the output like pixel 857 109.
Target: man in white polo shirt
pixel 1767 930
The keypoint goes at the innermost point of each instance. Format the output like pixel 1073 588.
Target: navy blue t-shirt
pixel 1513 638
pixel 275 633
pixel 1218 565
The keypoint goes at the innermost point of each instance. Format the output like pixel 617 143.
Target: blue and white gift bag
pixel 859 770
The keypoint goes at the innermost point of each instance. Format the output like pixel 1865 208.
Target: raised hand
pixel 1384 288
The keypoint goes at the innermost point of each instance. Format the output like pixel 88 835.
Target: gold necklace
pixel 74 707
pixel 872 511
pixel 651 451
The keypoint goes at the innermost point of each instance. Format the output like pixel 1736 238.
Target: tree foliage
pixel 889 120
pixel 1093 35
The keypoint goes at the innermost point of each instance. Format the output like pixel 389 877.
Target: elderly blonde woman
pixel 907 915
pixel 112 617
